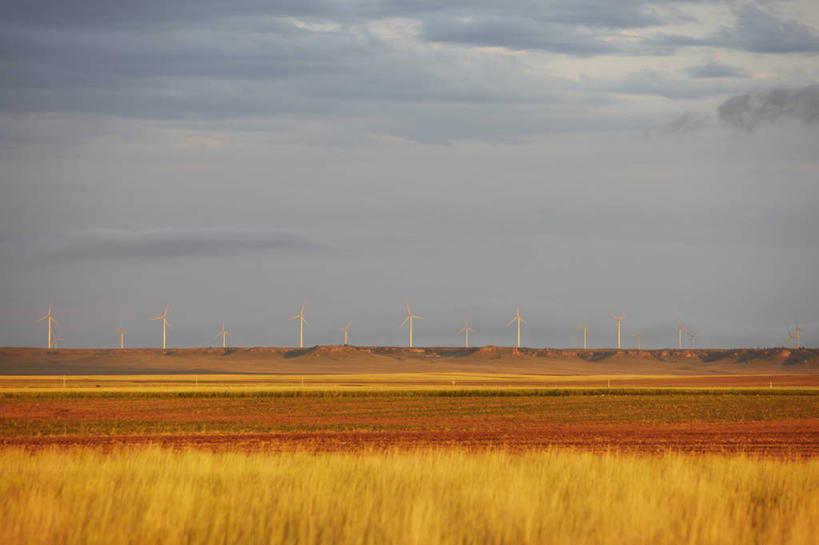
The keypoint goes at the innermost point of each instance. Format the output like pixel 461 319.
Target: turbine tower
pixel 302 321
pixel 224 333
pixel 679 331
pixel 164 318
pixel 585 329
pixel 466 329
pixel 639 336
pixel 50 318
pixel 517 319
pixel 121 336
pixel 346 330
pixel 410 317
pixel 692 335
pixel 796 329
pixel 619 319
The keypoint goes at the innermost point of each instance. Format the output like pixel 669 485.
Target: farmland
pixel 443 456
pixel 772 421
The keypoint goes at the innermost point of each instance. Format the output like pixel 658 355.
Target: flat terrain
pixel 358 399
pixel 391 360
pixel 781 422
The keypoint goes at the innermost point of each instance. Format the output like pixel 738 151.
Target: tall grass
pixel 174 497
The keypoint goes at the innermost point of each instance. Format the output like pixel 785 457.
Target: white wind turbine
pixel 517 318
pixel 692 335
pixel 639 336
pixel 121 336
pixel 797 330
pixel 410 317
pixel 224 333
pixel 346 330
pixel 679 331
pixel 302 321
pixel 50 318
pixel 164 318
pixel 619 319
pixel 585 329
pixel 466 329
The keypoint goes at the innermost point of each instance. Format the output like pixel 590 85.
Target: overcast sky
pixel 578 157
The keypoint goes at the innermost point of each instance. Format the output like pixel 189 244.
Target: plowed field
pixel 780 424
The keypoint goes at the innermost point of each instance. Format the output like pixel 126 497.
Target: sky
pixel 234 160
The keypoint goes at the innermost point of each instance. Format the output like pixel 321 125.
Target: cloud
pixel 665 84
pixel 687 122
pixel 715 70
pixel 518 33
pixel 751 110
pixel 174 243
pixel 754 30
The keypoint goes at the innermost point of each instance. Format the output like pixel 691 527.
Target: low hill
pixel 387 359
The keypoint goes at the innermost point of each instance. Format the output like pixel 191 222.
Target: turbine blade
pixel 43 318
pixel 294 317
pixel 462 330
pixel 512 321
pixel 407 319
pixel 305 321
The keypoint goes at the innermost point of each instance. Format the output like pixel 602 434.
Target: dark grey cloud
pixel 754 30
pixel 687 122
pixel 751 110
pixel 517 32
pixel 178 243
pixel 715 70
pixel 665 84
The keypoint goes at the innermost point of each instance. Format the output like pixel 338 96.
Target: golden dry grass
pixel 173 497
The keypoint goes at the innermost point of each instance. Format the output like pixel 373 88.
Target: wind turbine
pixel 796 330
pixel 692 335
pixel 790 338
pixel 50 318
pixel 517 319
pixel 679 332
pixel 121 336
pixel 164 318
pixel 410 317
pixel 346 330
pixel 224 333
pixel 302 321
pixel 585 329
pixel 619 319
pixel 466 329
pixel 57 342
pixel 639 336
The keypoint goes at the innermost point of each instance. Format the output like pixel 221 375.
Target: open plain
pixel 387 445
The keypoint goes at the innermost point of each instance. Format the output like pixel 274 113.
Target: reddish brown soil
pixel 779 439
pixel 770 425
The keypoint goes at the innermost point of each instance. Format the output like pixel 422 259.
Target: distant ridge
pixel 392 359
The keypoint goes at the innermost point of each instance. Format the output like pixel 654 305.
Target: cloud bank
pixel 178 243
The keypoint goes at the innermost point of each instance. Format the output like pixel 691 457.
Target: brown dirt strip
pixel 781 439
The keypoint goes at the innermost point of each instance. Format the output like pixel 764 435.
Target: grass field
pixel 410 458
pixel 174 497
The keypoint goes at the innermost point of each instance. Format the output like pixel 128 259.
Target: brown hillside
pixel 385 359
